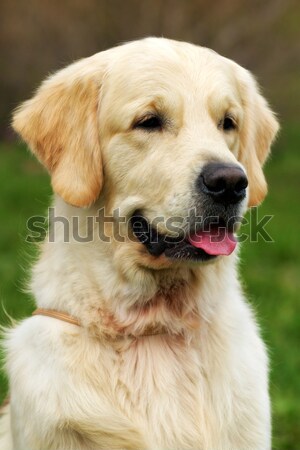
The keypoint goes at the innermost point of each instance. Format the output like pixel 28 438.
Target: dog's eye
pixel 150 123
pixel 228 124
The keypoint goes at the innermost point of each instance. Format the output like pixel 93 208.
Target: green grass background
pixel 270 271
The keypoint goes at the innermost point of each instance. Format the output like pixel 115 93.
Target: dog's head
pixel 172 135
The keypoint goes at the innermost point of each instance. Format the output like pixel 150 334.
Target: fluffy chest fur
pixel 205 403
pixel 157 392
pixel 160 391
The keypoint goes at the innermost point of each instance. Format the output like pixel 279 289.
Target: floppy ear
pixel 258 131
pixel 60 125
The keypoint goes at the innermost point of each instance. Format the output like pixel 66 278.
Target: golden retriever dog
pixel 143 338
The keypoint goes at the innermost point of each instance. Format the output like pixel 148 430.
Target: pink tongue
pixel 217 241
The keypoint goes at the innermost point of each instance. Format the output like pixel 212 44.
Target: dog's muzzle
pixel 220 189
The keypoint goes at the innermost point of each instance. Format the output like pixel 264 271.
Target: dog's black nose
pixel 225 183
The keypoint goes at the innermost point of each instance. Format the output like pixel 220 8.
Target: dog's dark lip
pixel 185 251
pixel 157 244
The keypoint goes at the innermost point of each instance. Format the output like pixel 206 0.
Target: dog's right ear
pixel 257 134
pixel 60 125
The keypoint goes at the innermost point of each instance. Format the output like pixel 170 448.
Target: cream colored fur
pixel 204 384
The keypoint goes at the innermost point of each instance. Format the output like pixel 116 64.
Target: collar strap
pixel 70 319
pixel 56 315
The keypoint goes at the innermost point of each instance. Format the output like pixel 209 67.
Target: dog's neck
pixel 171 312
pixel 121 334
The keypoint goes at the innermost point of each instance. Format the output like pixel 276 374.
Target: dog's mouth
pixel 206 244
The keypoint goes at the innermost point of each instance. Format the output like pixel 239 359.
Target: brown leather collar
pixel 56 315
pixel 70 319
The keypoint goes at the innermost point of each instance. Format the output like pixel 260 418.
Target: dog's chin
pixel 175 249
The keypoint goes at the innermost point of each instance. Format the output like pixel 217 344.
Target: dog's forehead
pixel 157 66
pixel 162 59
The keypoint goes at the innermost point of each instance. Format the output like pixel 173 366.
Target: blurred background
pixel 39 37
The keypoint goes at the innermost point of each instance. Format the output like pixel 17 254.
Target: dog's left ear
pixel 258 131
pixel 60 125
